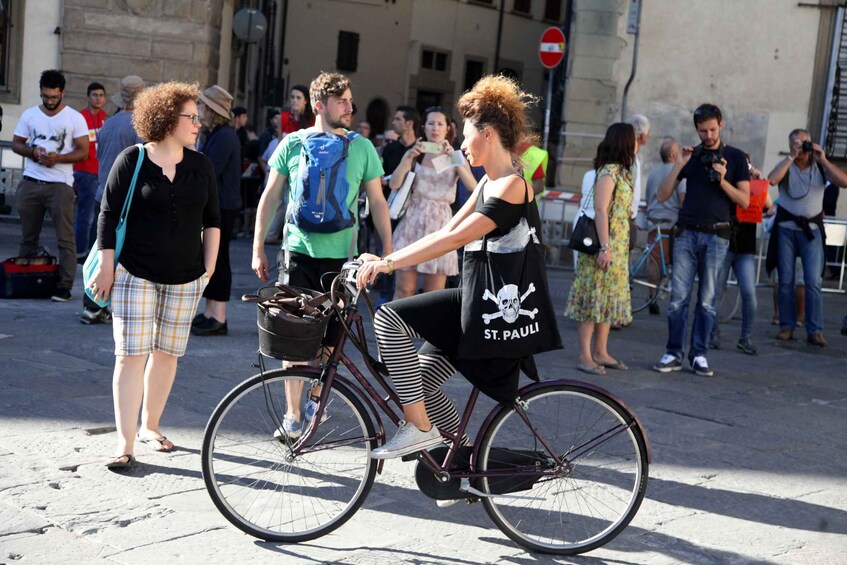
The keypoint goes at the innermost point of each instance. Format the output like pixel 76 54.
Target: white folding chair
pixel 836 236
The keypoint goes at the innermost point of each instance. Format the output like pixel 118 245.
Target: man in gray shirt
pixel 798 232
pixel 667 212
pixel 116 135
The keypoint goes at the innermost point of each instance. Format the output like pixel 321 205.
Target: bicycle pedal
pixel 410 457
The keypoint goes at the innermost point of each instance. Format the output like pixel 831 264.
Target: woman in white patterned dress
pixel 429 206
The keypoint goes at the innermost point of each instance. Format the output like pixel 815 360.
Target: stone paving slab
pixel 748 467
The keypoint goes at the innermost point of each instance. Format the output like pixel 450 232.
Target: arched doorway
pixel 377 115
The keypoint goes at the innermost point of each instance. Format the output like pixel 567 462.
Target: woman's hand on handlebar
pixel 371 267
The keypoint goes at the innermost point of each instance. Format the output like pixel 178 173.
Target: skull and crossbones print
pixel 509 303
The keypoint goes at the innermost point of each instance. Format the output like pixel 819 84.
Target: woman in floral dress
pixel 429 206
pixel 599 296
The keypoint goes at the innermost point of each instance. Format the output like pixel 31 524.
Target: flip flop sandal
pixel 118 462
pixel 596 370
pixel 617 365
pixel 157 441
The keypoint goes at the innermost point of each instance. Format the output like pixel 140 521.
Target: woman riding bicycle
pixel 495 126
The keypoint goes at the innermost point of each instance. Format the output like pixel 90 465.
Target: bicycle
pixel 562 470
pixel 649 278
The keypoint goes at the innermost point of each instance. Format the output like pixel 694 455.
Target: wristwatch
pixel 390 264
pixel 604 249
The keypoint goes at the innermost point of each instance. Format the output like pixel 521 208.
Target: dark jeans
pixel 220 285
pixel 793 244
pixel 696 254
pixel 86 189
pixel 57 198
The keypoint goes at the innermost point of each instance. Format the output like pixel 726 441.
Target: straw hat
pixel 130 86
pixel 219 100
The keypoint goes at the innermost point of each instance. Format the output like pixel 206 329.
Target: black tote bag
pixel 506 306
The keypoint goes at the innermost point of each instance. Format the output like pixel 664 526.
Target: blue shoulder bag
pixel 92 263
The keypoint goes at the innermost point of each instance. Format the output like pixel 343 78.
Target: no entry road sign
pixel 551 51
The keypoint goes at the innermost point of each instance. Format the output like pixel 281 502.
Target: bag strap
pixel 591 195
pixel 131 191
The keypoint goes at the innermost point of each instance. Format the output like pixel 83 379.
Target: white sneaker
pixel 408 439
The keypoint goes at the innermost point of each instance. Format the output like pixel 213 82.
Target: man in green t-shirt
pixel 313 254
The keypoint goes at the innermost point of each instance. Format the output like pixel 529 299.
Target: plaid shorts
pixel 149 317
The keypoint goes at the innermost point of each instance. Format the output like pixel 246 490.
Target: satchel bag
pixel 398 200
pixel 92 262
pixel 506 311
pixel 33 276
pixel 584 236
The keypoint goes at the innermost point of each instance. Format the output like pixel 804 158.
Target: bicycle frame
pixel 373 399
pixel 648 251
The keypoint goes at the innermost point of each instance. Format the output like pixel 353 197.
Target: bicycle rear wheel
pixel 593 496
pixel 261 487
pixel 645 279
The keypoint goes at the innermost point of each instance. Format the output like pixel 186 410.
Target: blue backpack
pixel 319 193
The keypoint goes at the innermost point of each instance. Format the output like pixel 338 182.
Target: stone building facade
pixel 158 40
pixel 768 65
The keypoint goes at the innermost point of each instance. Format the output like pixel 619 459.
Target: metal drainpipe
pixel 566 26
pixel 634 63
pixel 499 37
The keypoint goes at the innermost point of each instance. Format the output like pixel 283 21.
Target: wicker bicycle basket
pixel 292 321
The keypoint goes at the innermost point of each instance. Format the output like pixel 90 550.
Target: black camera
pixel 709 158
pixel 807 146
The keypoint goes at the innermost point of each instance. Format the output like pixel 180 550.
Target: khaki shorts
pixel 149 317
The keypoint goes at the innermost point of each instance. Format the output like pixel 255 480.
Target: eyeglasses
pixel 51 98
pixel 195 119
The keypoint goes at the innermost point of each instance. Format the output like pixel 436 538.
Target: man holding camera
pixel 717 180
pixel 798 230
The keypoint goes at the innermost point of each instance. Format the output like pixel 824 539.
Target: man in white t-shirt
pixel 51 137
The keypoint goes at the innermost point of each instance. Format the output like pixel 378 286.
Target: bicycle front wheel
pixel 645 282
pixel 593 495
pixel 266 490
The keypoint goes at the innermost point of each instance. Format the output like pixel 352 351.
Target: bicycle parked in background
pixel 562 470
pixel 649 277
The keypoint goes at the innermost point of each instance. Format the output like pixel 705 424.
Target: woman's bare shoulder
pixel 512 188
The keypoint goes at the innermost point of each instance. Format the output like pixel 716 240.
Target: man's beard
pixel 338 124
pixel 714 144
pixel 51 107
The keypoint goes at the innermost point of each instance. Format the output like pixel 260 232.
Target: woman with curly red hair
pixel 172 237
pixel 495 125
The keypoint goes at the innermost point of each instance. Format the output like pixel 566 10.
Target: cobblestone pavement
pixel 748 466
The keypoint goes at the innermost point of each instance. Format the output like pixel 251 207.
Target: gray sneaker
pixel 745 344
pixel 291 429
pixel 91 317
pixel 408 439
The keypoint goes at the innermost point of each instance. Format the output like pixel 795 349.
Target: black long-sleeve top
pixel 166 219
pixel 224 151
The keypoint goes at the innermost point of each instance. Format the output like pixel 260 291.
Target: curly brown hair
pixel 157 108
pixel 499 102
pixel 213 119
pixel 326 85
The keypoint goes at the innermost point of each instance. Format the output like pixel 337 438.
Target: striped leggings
pixel 416 376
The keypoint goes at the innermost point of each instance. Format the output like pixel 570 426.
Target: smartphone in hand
pixel 432 147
